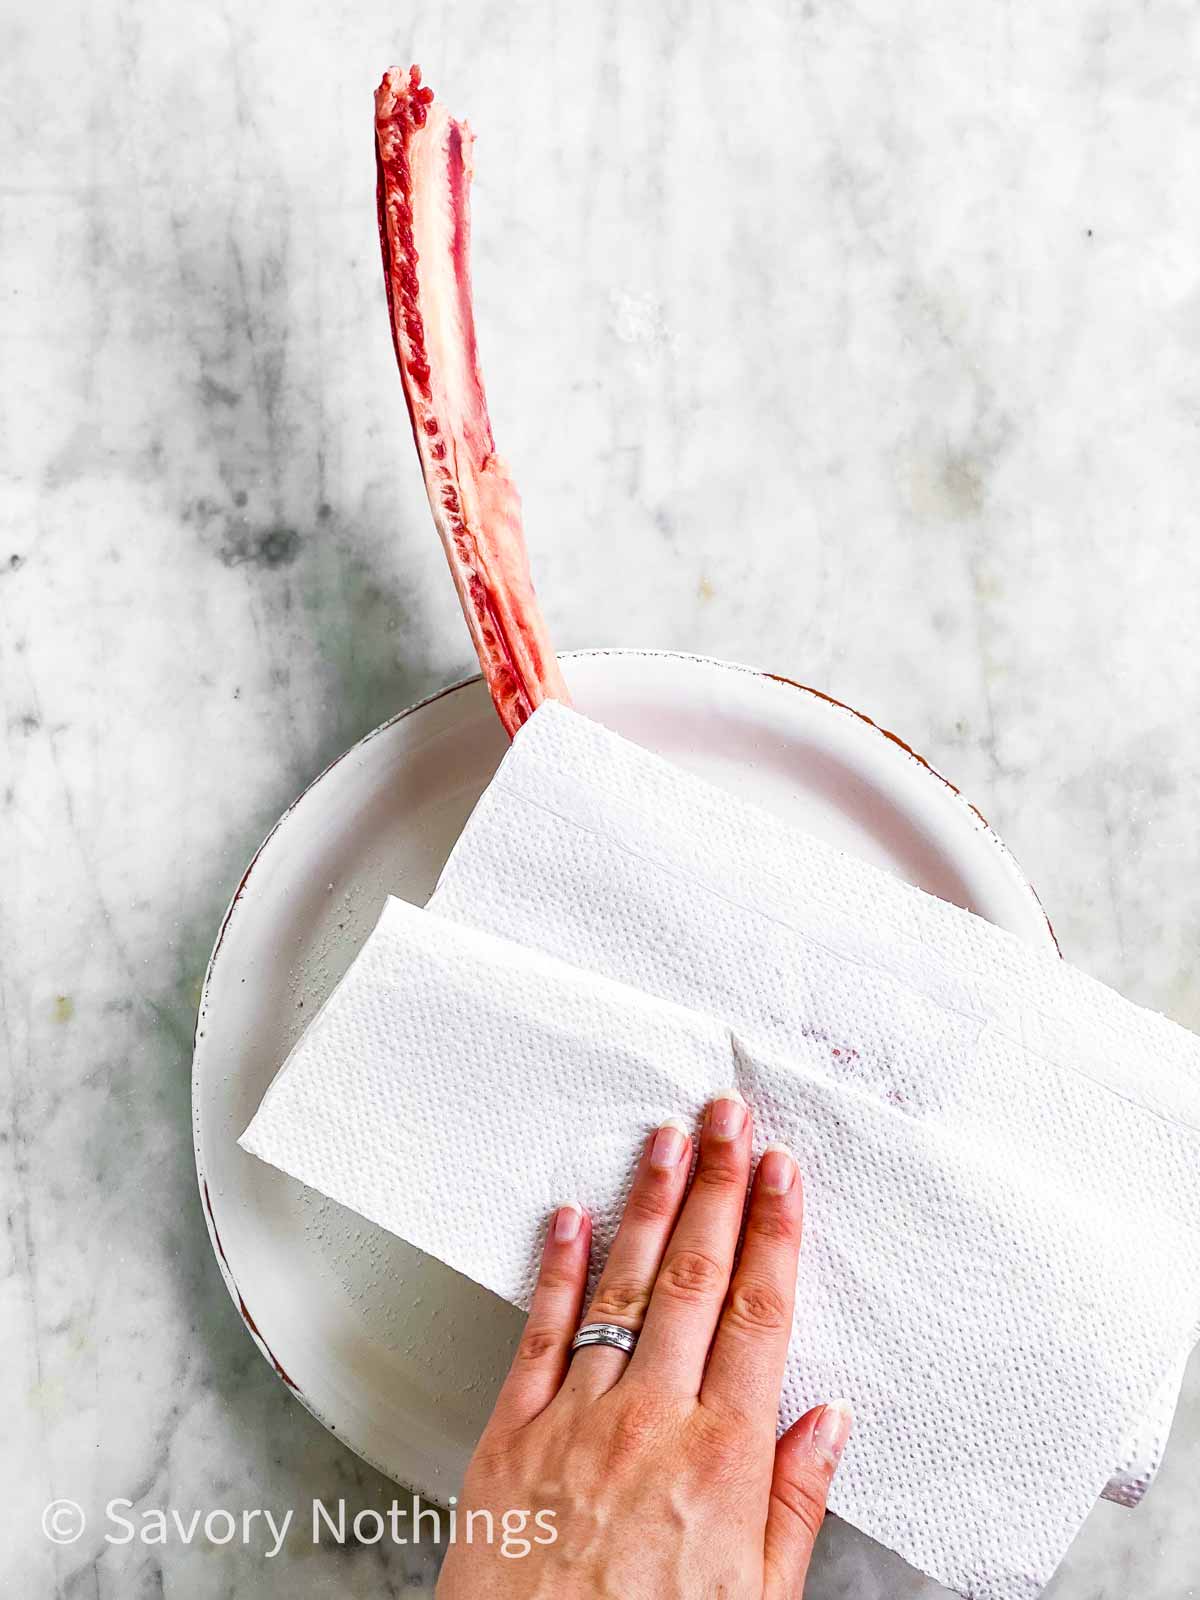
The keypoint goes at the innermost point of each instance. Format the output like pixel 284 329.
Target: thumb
pixel 806 1459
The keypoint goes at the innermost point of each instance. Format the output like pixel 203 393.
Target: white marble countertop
pixel 856 340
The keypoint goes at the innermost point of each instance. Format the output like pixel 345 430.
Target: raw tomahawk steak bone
pixel 424 168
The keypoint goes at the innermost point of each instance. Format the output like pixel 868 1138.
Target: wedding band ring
pixel 605 1333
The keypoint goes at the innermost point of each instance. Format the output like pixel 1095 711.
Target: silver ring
pixel 604 1333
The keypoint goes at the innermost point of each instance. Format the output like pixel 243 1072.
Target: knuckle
pixel 757 1307
pixel 720 1174
pixel 773 1225
pixel 802 1494
pixel 558 1278
pixel 650 1201
pixel 620 1300
pixel 690 1275
pixel 539 1342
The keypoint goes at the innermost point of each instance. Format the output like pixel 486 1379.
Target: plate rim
pixel 978 821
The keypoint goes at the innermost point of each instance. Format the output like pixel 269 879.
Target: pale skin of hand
pixel 662 1470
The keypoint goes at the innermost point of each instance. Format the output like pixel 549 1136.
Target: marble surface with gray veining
pixel 857 340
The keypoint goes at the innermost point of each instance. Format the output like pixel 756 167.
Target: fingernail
pixel 567 1222
pixel 727 1115
pixel 833 1429
pixel 777 1169
pixel 668 1145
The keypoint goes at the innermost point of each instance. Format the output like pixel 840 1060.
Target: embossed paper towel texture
pixel 995 1329
pixel 588 846
pixel 1001 1265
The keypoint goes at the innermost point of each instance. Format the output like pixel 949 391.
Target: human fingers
pixel 540 1362
pixel 745 1370
pixel 690 1288
pixel 806 1459
pixel 623 1291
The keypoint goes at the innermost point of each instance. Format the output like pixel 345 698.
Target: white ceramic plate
pixel 393 1351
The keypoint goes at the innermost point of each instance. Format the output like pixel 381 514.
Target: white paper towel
pixel 1002 1264
pixel 590 847
pixel 994 1331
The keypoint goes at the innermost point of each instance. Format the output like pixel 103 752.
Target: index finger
pixel 745 1370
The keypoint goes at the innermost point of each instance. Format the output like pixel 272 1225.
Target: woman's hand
pixel 657 1475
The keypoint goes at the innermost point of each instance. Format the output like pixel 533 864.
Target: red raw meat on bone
pixel 423 157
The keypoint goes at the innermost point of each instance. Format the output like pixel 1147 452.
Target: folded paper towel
pixel 1002 1266
pixel 587 846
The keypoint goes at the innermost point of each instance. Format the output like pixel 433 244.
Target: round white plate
pixel 393 1351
